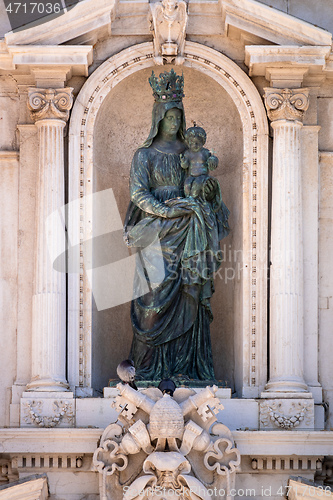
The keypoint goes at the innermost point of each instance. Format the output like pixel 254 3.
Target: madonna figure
pixel 171 323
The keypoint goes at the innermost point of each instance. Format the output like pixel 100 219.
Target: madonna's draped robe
pixel 171 322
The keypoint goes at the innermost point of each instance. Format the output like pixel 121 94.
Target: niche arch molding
pixel 251 324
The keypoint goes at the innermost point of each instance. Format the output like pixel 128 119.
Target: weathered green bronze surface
pixel 171 323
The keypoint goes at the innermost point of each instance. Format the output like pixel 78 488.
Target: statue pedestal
pixel 62 409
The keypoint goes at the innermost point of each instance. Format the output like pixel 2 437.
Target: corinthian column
pixel 50 110
pixel 285 110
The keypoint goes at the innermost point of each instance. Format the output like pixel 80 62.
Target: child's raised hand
pixel 212 162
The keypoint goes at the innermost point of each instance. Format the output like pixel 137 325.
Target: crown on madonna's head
pixel 169 87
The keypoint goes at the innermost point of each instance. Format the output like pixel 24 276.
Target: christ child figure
pixel 198 161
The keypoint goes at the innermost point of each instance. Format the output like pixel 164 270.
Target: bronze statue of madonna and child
pixel 173 196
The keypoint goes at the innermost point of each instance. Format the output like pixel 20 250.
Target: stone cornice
pixel 86 16
pixel 19 440
pixel 253 443
pixel 274 443
pixel 271 24
pixel 259 57
pixel 75 59
pixel 288 65
pixel 205 17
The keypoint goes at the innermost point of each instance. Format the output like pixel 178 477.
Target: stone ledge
pixel 253 443
pixel 273 443
pixel 9 156
pixel 19 440
pixel 238 414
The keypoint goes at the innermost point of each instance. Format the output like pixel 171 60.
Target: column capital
pixel 286 104
pixel 50 103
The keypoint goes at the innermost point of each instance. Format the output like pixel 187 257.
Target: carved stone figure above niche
pixel 168 21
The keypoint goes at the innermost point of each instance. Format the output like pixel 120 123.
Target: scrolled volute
pixel 273 101
pixel 300 101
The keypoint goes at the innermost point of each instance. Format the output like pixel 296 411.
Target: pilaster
pixel 310 200
pixel 27 182
pixel 9 179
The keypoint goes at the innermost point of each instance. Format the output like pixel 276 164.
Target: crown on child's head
pixel 169 87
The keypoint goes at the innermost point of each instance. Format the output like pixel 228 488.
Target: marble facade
pixel 63 112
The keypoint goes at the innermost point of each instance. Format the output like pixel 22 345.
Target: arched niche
pixel 117 98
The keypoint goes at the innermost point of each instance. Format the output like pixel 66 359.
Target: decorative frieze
pixel 35 463
pixel 47 413
pixel 286 414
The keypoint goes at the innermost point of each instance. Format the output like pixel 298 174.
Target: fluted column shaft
pixel 50 110
pixel 285 109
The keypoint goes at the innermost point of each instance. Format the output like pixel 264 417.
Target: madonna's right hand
pixel 173 212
